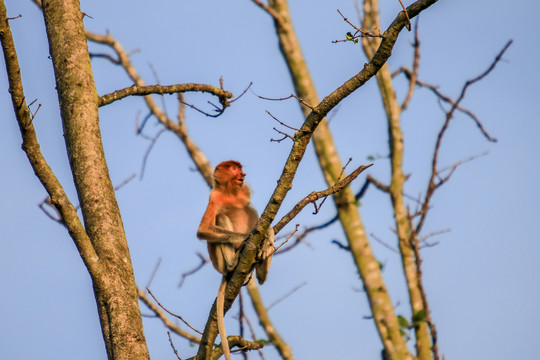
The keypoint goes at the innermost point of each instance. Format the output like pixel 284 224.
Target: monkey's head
pixel 228 176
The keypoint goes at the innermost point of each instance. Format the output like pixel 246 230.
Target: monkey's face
pixel 229 175
pixel 237 175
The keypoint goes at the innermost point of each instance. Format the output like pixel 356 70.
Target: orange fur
pixel 227 222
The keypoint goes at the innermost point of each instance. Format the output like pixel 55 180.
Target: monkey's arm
pixel 215 228
pixel 216 235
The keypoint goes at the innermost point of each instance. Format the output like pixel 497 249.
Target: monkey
pixel 227 222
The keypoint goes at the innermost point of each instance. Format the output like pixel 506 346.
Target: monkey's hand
pixel 264 257
pixel 267 248
pixel 218 235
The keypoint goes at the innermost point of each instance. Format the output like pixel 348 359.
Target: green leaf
pixel 403 323
pixel 371 158
pixel 419 316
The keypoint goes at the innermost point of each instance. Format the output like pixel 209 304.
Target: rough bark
pixel 378 296
pixel 330 163
pixel 275 338
pixel 396 189
pixel 114 283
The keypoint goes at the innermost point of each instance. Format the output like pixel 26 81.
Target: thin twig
pixel 105 56
pixel 416 65
pixel 379 185
pixel 163 317
pixel 450 101
pixel 242 94
pixel 341 245
pixel 358 30
pixel 343 169
pixel 241 314
pixel 253 334
pixel 47 201
pixel 171 313
pixel 318 207
pixel 13 18
pixel 408 25
pixel 218 111
pixel 432 185
pixel 340 185
pixel 200 160
pixel 35 112
pixel 154 272
pixel 285 136
pixel 158 82
pixel 300 237
pixel 281 122
pixel 148 150
pixel 383 243
pixel 293 290
pixel 184 275
pixel 424 238
pixel 42 206
pixel 172 345
pixel 125 182
pixel 292 96
pixel 287 239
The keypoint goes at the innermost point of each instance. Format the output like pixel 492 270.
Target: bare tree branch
pixel 433 184
pixel 416 65
pixel 354 37
pixel 172 346
pixel 223 95
pixel 275 338
pixel 248 254
pixel 203 261
pixel 169 312
pixel 200 160
pixel 317 195
pixel 269 10
pixel 166 321
pixel 293 290
pixel 450 101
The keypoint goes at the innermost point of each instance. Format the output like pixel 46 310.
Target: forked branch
pixel 314 196
pixel 433 184
pixel 302 139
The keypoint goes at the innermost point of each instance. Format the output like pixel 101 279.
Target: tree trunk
pixel 113 280
pixel 349 216
pixel 396 189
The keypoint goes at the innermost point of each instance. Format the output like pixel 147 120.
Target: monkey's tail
pixel 220 303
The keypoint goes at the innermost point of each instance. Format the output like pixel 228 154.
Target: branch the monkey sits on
pixel 227 222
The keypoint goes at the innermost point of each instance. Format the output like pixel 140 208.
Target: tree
pixel 102 242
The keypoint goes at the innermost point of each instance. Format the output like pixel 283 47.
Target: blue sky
pixel 482 278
